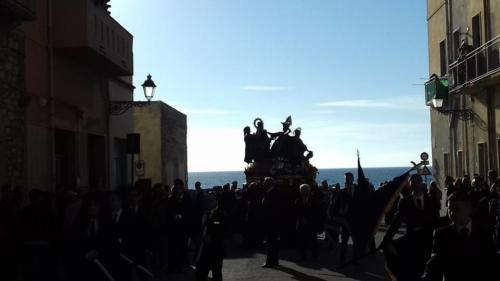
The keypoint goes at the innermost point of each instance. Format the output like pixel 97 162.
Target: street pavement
pixel 245 265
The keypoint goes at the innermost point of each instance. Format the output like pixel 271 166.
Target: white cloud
pixel 264 88
pixel 322 111
pixel 397 103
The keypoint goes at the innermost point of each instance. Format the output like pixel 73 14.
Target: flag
pixel 363 183
pixel 370 211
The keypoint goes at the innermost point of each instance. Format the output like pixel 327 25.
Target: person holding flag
pixel 406 256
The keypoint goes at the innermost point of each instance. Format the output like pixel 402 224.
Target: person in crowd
pixel 331 226
pixel 408 255
pixel 495 211
pixel 198 196
pixel 271 215
pixel 211 254
pixel 96 251
pixel 37 231
pixel 252 199
pixel 136 241
pixel 119 228
pixel 480 197
pixel 463 250
pixel 343 209
pixel 492 177
pixel 449 185
pixel 435 194
pixel 178 220
pixel 234 186
pixel 228 205
pixel 308 222
pixel 156 207
pixel 466 184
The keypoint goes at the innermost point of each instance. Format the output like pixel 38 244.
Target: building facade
pixel 163 142
pixel 13 14
pixel 77 59
pixel 463 91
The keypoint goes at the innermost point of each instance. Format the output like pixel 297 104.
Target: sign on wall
pixel 140 168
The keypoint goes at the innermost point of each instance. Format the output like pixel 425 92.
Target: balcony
pixel 16 11
pixel 85 31
pixel 480 67
pixel 435 89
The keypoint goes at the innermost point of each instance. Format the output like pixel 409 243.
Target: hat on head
pixel 288 121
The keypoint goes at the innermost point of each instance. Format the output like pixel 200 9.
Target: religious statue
pixel 281 145
pixel 285 147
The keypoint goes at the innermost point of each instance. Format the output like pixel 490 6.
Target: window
pixel 476 31
pixel 482 156
pixel 460 163
pixel 446 164
pixel 442 57
pixel 456 43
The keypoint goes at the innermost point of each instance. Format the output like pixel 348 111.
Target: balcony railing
pixel 17 10
pixel 85 29
pixel 476 66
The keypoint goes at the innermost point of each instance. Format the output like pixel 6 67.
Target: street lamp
pixel 462 114
pixel 149 88
pixel 120 107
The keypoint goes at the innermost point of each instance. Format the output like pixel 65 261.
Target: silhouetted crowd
pixel 135 231
pixel 460 246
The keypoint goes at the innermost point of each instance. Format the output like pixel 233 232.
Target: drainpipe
pixel 491 128
pixel 451 100
pixel 50 54
pixel 490 96
pixel 107 100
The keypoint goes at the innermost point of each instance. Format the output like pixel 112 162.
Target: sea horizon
pixel 376 175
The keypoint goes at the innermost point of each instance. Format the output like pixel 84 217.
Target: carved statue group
pixel 258 146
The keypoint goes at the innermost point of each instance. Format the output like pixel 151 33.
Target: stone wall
pixel 174 144
pixel 12 107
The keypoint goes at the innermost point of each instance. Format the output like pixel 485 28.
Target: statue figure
pixel 281 146
pixel 262 141
pixel 250 145
pixel 298 148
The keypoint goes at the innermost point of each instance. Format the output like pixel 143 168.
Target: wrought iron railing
pixel 477 65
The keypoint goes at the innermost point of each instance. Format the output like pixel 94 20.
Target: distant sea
pixel 375 175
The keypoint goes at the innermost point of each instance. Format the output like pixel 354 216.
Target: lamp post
pixel 462 114
pixel 120 107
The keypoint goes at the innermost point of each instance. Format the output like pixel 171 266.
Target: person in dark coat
pixel 252 200
pixel 178 223
pixel 271 209
pixel 407 256
pixel 344 208
pixel 309 216
pixel 135 241
pixel 212 250
pixel 463 250
pixel 37 230
pixel 94 241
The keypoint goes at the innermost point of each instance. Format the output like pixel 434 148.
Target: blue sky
pixel 344 70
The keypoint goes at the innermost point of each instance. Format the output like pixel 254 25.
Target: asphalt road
pixel 242 264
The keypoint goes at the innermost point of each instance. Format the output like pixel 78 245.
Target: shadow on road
pixel 297 275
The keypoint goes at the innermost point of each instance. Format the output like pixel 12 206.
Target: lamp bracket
pixel 120 107
pixel 462 114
